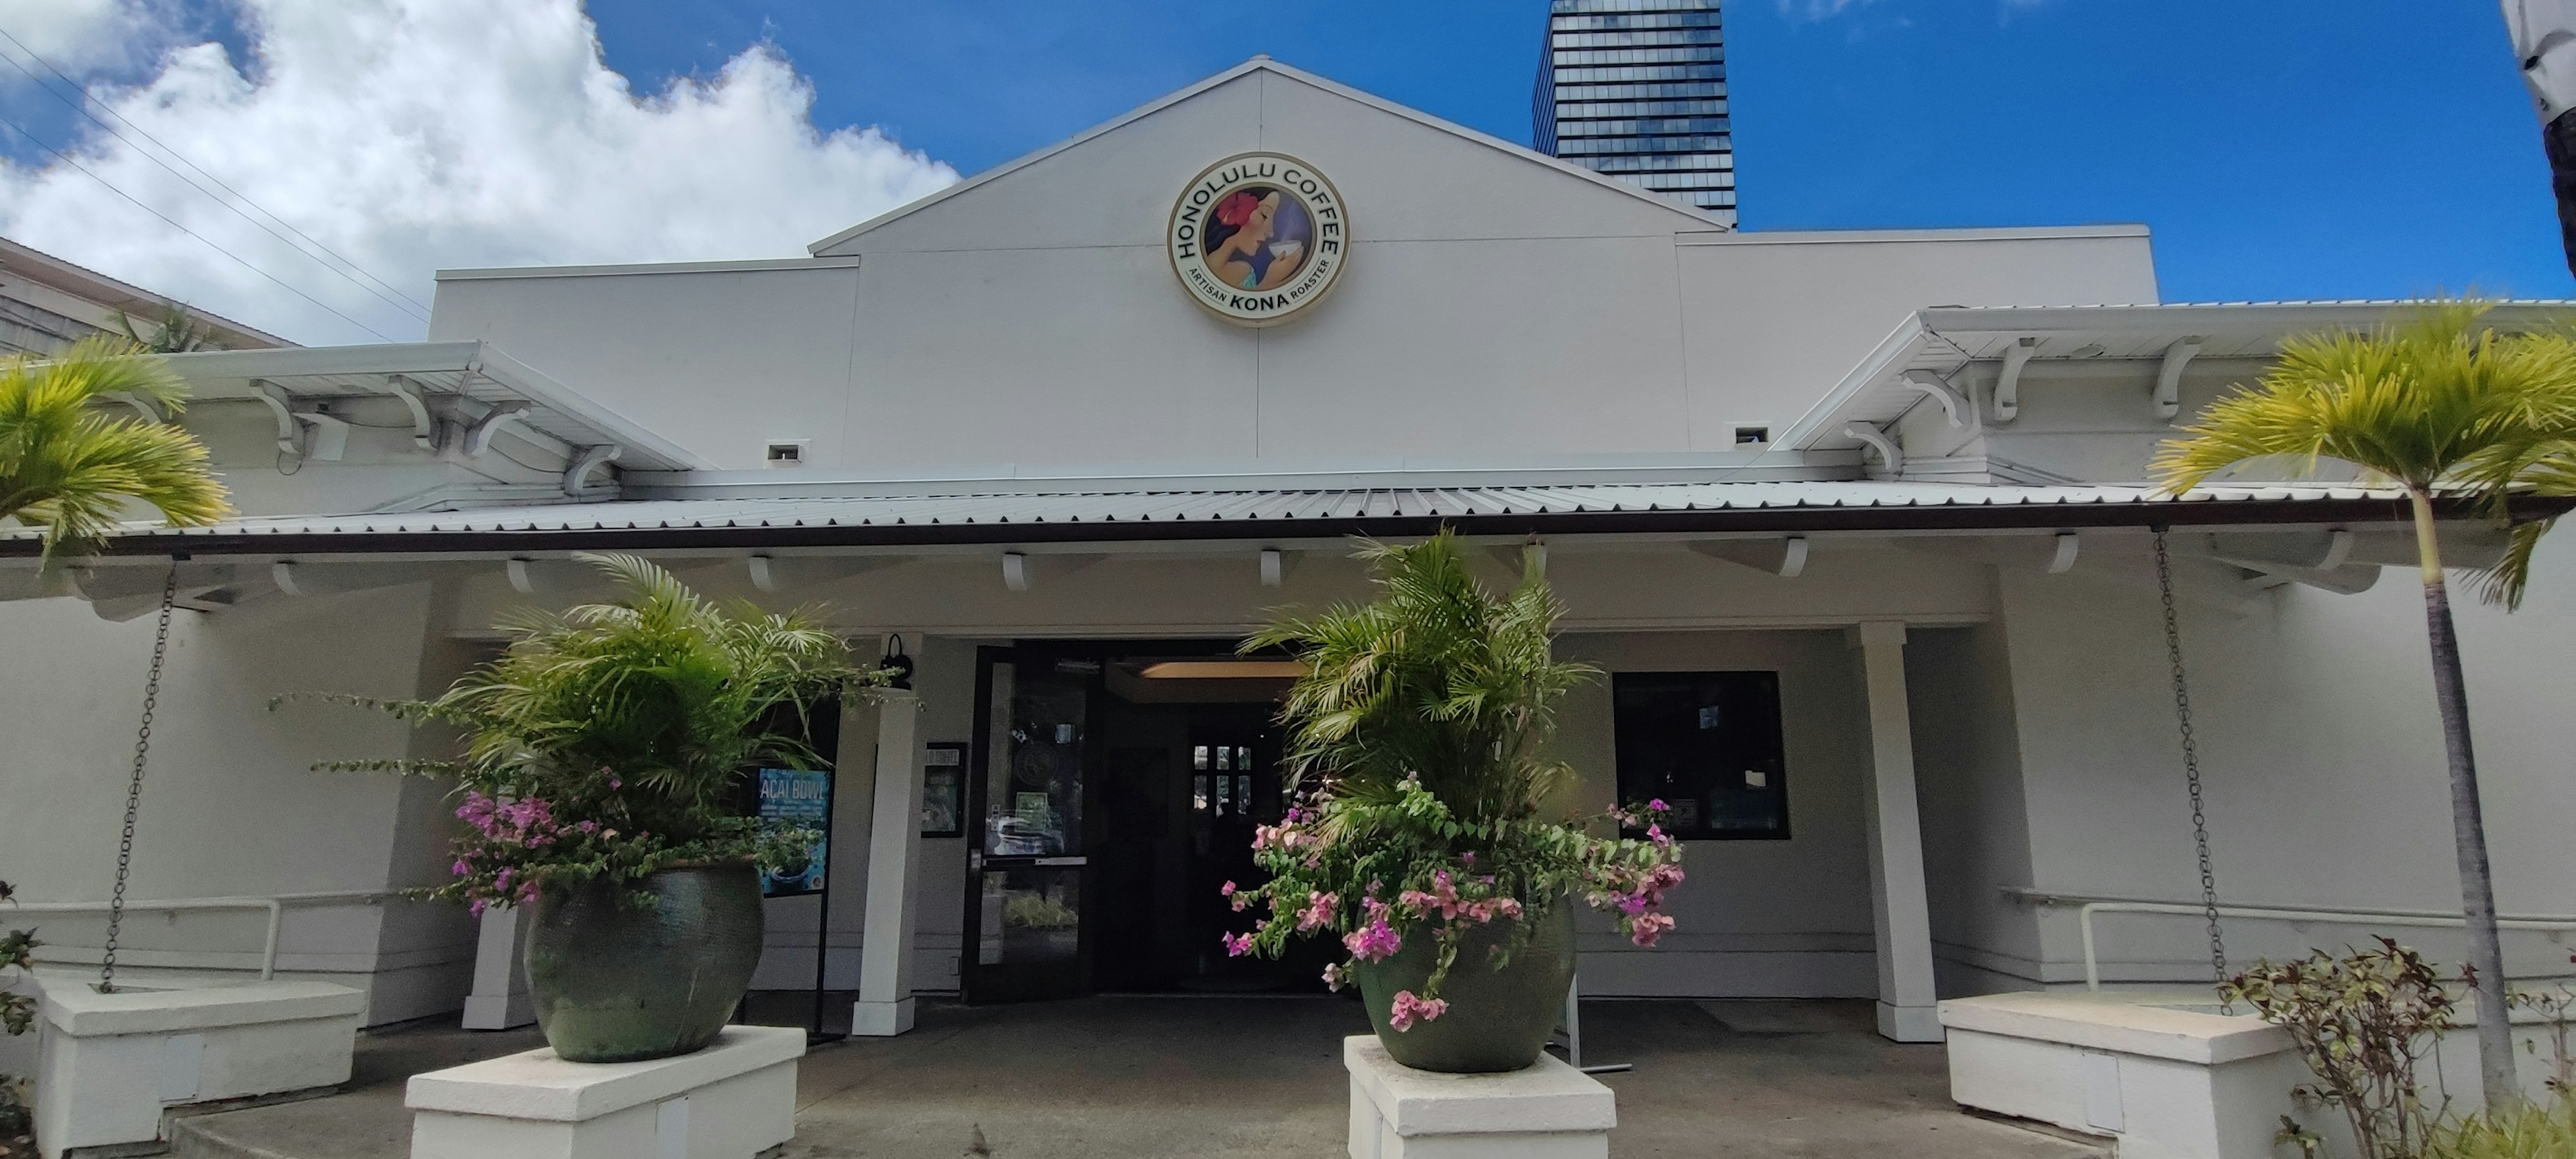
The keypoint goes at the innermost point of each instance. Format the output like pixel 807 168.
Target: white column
pixel 884 1006
pixel 500 998
pixel 1906 999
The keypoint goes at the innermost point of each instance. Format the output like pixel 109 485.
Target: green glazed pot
pixel 1498 1020
pixel 615 982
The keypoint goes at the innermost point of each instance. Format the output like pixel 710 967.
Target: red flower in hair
pixel 1237 207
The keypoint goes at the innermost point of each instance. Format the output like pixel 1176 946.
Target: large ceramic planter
pixel 617 982
pixel 1498 1020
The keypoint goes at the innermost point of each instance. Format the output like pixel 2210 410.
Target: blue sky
pixel 2388 151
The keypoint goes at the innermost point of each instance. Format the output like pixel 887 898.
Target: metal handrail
pixel 275 906
pixel 2089 905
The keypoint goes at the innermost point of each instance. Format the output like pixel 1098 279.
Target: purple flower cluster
pixel 508 830
pixel 1323 848
pixel 1376 939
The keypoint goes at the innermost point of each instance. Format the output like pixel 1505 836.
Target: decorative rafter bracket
pixel 2168 399
pixel 2007 396
pixel 329 437
pixel 577 476
pixel 478 434
pixel 424 425
pixel 1877 439
pixel 1954 405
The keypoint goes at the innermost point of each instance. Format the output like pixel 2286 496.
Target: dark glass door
pixel 1029 871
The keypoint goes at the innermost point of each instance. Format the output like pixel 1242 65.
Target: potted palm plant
pixel 1427 832
pixel 599 781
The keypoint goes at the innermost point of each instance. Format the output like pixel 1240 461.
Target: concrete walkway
pixel 1144 1078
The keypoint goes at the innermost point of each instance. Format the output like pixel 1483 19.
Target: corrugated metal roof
pixel 1139 513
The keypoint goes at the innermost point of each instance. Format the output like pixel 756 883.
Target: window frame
pixel 1786 829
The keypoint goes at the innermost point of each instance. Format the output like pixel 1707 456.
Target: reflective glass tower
pixel 1636 90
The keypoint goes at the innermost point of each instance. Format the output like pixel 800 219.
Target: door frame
pixel 1036 980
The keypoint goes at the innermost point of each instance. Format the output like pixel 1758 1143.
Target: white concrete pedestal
pixel 2164 1079
pixel 1548 1111
pixel 108 1065
pixel 732 1100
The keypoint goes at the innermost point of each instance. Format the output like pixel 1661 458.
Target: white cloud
pixel 1806 11
pixel 79 34
pixel 410 135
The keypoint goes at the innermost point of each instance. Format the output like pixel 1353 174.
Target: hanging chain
pixel 134 788
pixel 2191 763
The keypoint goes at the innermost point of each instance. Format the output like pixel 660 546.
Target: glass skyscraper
pixel 1636 90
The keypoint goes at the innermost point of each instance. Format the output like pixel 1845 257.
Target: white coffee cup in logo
pixel 1258 237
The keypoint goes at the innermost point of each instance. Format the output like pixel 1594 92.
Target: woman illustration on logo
pixel 1240 246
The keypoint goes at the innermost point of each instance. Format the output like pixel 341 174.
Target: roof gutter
pixel 1961 518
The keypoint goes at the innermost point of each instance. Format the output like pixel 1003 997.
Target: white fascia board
pixel 1824 421
pixel 1265 64
pixel 1887 236
pixel 383 358
pixel 747 266
pixel 1025 160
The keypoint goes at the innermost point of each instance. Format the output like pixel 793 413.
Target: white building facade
pixel 1894 479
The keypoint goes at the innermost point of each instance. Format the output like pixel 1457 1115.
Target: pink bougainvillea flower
pixel 1334 976
pixel 1408 1008
pixel 1374 942
pixel 1319 911
pixel 1659 806
pixel 1646 928
pixel 1237 945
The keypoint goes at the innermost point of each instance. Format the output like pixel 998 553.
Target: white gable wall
pixel 1497 305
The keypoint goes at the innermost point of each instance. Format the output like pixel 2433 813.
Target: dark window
pixel 1708 745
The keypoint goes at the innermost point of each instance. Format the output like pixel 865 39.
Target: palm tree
pixel 70 465
pixel 2442 405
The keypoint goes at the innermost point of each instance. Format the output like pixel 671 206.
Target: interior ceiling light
pixel 1222 670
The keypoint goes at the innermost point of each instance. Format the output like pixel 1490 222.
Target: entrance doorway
pixel 1116 788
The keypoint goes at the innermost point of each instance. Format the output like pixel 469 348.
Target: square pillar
pixel 1907 1002
pixel 885 1004
pixel 500 999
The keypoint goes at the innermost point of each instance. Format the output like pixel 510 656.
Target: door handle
pixel 1054 861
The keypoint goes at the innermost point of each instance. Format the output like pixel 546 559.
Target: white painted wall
pixel 1785 918
pixel 2322 753
pixel 1497 305
pixel 231 806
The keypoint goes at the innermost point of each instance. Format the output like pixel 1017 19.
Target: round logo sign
pixel 1257 237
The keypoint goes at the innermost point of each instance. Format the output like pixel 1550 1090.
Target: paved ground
pixel 1145 1078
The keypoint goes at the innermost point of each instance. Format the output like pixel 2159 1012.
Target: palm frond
pixel 2435 400
pixel 662 689
pixel 1437 680
pixel 70 466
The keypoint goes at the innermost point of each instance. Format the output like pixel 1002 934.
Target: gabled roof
pixel 106 293
pixel 1265 64
pixel 1944 340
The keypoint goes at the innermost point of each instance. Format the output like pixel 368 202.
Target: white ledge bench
pixel 732 1100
